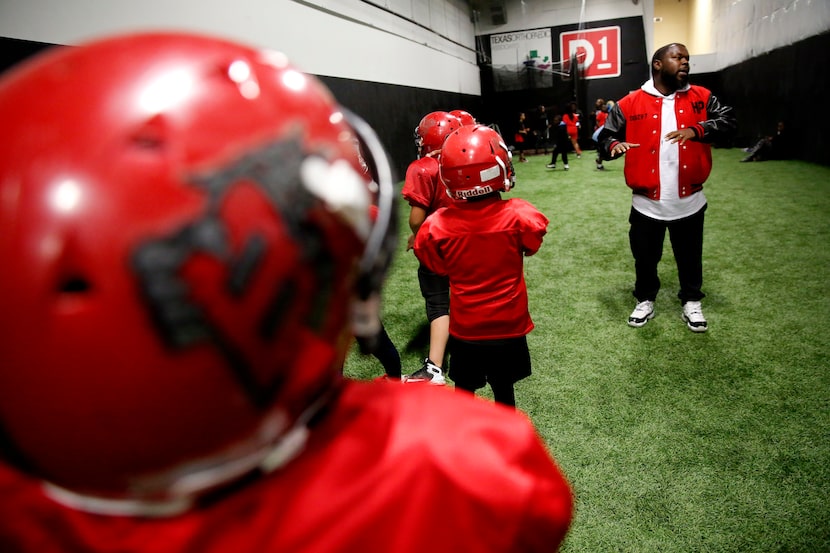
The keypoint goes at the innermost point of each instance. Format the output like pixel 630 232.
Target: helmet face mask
pixel 475 162
pixel 186 263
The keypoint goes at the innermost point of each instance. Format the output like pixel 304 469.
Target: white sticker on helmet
pixel 490 173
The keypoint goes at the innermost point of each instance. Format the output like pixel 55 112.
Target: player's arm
pixel 417 216
pixel 535 226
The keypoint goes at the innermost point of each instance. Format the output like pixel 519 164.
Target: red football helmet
pixel 475 161
pixel 465 117
pixel 433 129
pixel 184 226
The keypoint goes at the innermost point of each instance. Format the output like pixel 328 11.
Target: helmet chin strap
pixel 117 507
pixel 181 487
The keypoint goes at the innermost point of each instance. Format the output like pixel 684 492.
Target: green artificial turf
pixel 674 441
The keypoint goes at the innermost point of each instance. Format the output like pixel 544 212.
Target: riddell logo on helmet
pixel 472 193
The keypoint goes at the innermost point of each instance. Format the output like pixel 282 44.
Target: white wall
pixel 535 14
pixel 532 14
pixel 419 43
pixel 745 29
pixel 725 32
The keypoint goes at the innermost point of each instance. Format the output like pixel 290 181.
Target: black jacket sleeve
pixel 721 124
pixel 611 133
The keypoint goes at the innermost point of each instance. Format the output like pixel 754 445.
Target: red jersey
pixel 480 246
pixel 422 186
pixel 601 117
pixel 382 471
pixel 571 123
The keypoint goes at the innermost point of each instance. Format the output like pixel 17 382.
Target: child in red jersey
pixel 572 122
pixel 425 194
pixel 479 242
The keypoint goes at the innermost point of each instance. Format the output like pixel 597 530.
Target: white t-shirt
pixel 670 206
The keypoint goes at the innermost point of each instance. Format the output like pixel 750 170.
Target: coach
pixel 665 129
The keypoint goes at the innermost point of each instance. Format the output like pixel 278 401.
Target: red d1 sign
pixel 596 50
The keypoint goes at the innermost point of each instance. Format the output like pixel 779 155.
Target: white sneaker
pixel 566 167
pixel 693 315
pixel 550 166
pixel 430 373
pixel 641 314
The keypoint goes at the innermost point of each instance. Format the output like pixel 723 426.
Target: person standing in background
pixel 561 143
pixel 542 130
pixel 665 129
pixel 600 115
pixel 522 136
pixel 573 123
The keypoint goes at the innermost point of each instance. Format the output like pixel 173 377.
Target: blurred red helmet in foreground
pixel 184 224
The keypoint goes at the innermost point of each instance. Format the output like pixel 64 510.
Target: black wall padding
pixel 790 84
pixel 394 111
pixel 13 50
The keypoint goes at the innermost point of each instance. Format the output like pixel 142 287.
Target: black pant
pixel 382 347
pixel 646 237
pixel 560 148
pixel 500 363
pixel 436 292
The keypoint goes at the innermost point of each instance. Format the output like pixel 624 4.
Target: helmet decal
pixel 473 192
pixel 178 317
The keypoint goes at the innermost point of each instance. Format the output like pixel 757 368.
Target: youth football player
pixel 479 242
pixel 425 194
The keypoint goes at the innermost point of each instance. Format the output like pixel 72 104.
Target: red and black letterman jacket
pixel 636 119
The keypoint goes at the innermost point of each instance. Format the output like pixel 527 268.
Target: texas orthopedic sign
pixel 597 51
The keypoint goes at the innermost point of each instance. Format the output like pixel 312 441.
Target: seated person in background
pixel 777 146
pixel 193 248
